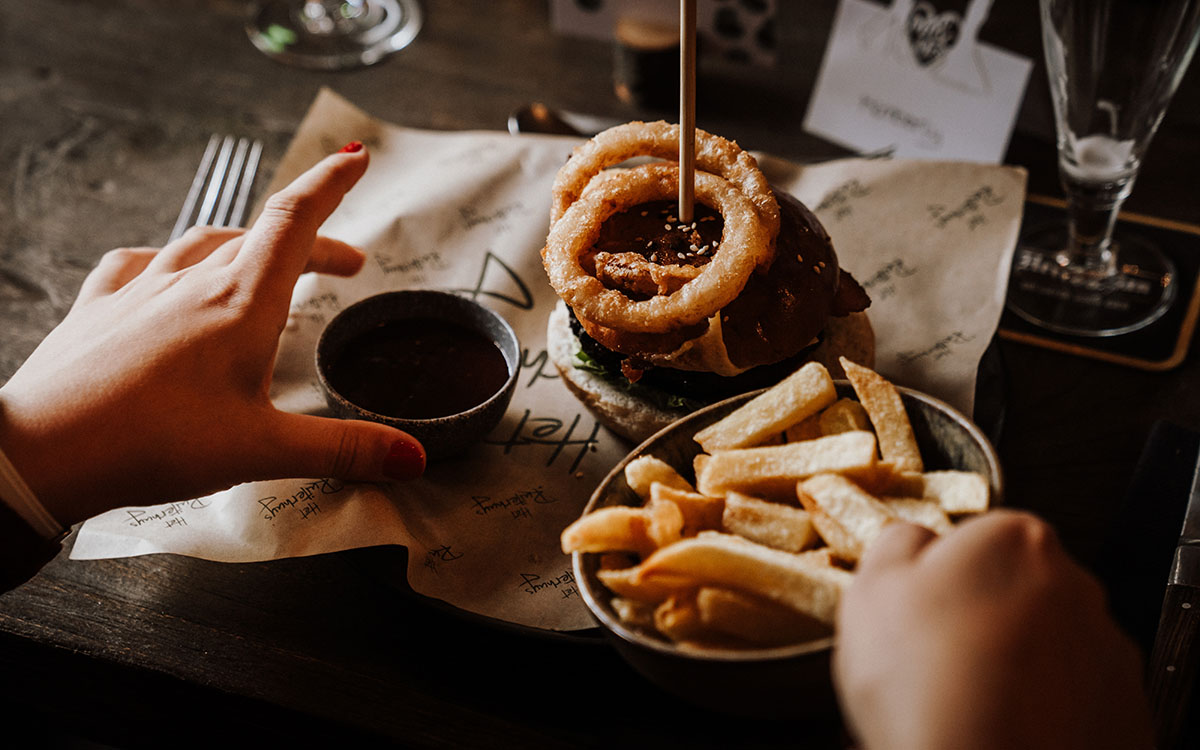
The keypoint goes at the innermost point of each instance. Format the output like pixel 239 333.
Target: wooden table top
pixel 106 108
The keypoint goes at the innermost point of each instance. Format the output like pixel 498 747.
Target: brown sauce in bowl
pixel 420 368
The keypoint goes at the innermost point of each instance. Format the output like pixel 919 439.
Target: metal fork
pixel 220 190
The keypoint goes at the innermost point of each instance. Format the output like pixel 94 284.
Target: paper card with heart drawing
pixel 915 79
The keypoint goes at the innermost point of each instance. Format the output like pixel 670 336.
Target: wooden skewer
pixel 687 109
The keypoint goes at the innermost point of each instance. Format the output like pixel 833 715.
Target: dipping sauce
pixel 420 368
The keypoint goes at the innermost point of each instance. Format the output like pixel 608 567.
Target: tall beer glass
pixel 1113 67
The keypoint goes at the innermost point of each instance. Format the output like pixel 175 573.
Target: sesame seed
pixel 821 263
pixel 679 254
pixel 799 257
pixel 645 212
pixel 816 269
pixel 667 227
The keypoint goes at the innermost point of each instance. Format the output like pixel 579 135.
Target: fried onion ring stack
pixel 759 293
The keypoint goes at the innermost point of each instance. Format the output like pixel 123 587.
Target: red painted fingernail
pixel 405 460
pixel 353 147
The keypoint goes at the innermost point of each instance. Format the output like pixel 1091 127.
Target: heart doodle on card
pixel 932 34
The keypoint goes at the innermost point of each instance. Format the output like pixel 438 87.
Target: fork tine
pixel 225 178
pixel 208 207
pixel 221 217
pixel 189 203
pixel 238 217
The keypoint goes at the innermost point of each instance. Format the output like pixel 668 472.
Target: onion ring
pixel 714 154
pixel 744 245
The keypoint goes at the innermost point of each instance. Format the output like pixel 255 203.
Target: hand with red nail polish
pixel 155 385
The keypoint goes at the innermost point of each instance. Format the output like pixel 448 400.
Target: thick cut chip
pixel 885 479
pixel 678 619
pixel 654 589
pixel 808 428
pixel 621 528
pixel 756 620
pixel 843 415
pixel 957 491
pixel 772 472
pixel 927 513
pixel 616 528
pixel 700 512
pixel 773 524
pixel 644 471
pixel 633 612
pixel 664 522
pixel 897 443
pixel 730 561
pixel 839 543
pixel 861 515
pixel 798 396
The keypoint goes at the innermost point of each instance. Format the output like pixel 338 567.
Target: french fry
pixel 700 512
pixel 801 394
pixel 884 407
pixel 758 621
pixel 678 619
pixel 654 589
pixel 616 528
pixel 957 491
pixel 698 464
pixel 861 515
pixel 843 415
pixel 664 523
pixel 819 556
pixel 644 471
pixel 773 524
pixel 772 472
pixel 808 428
pixel 633 612
pixel 927 513
pixel 730 561
pixel 839 542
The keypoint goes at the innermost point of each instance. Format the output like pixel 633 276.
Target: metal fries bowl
pixel 784 682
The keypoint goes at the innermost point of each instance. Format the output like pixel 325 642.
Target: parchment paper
pixel 468 211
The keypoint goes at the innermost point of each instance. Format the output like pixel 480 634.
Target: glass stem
pixel 1091 214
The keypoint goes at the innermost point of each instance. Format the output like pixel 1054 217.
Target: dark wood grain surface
pixel 104 110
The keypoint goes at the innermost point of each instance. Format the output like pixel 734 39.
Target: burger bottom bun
pixel 636 419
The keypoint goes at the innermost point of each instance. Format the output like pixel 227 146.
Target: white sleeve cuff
pixel 17 495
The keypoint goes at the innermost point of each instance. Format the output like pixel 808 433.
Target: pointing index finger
pixel 277 248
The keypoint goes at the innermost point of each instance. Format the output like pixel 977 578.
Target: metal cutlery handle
pixel 1173 661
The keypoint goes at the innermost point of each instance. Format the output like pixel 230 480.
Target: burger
pixel 659 316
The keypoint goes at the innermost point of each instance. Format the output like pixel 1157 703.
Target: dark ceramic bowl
pixel 785 682
pixel 442 436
